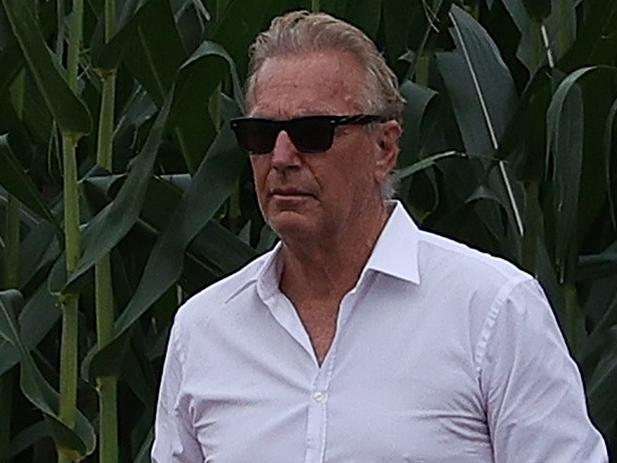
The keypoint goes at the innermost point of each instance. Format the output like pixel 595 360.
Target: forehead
pixel 326 82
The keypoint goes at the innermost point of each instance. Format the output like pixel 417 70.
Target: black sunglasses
pixel 309 134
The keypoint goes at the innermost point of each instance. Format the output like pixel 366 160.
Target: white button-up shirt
pixel 442 354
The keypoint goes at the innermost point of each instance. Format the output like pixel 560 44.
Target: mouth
pixel 290 193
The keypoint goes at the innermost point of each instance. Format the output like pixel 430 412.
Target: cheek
pixel 260 172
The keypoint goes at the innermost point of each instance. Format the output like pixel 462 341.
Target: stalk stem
pixel 315 6
pixel 70 301
pixel 68 368
pixel 106 386
pixel 110 19
pixel 74 42
pixel 71 203
pixel 104 300
pixel 108 76
pixel 106 120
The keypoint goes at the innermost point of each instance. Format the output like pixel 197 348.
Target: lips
pixel 289 192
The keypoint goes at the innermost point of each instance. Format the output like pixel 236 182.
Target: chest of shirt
pixel 390 389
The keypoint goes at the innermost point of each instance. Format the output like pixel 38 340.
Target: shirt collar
pixel 395 253
pixel 396 250
pixel 269 276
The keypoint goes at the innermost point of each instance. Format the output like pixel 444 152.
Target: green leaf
pixel 215 251
pixel 212 185
pixel 366 15
pixel 542 34
pixel 155 52
pixel 237 27
pixel 483 96
pixel 610 158
pixel 533 228
pixel 78 443
pixel 14 180
pixel 28 437
pixel 418 99
pixel 196 82
pixel 11 61
pixel 597 38
pixel 545 273
pixel 398 17
pixel 11 58
pixel 143 456
pixel 70 113
pixel 138 372
pixel 112 224
pixel 479 83
pixel 108 55
pixel 565 134
pixel 601 386
pixel 427 162
pixel 538 9
pixel 214 247
pixel 39 249
pixel 36 320
pixel 426 31
pixel 597 266
pixel 490 207
pixel 115 221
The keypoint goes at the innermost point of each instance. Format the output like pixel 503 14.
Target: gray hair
pixel 303 32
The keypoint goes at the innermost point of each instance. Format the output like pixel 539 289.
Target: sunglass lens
pixel 256 136
pixel 311 135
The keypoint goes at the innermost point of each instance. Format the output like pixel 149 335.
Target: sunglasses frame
pixel 291 127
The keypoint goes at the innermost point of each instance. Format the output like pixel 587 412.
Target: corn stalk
pixel 70 300
pixel 107 386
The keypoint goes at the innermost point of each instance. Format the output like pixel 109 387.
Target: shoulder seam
pixel 491 319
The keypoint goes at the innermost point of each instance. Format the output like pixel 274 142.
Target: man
pixel 359 338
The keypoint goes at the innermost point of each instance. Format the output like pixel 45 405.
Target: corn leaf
pixel 14 179
pixel 483 95
pixel 70 113
pixel 565 132
pixel 210 187
pixel 37 390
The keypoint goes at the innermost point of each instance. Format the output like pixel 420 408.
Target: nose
pixel 284 154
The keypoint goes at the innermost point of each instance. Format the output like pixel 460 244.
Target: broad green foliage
pixel 510 145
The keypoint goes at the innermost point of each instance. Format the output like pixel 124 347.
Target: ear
pixel 387 150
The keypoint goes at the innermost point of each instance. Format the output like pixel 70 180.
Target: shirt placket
pixel 319 400
pixel 317 418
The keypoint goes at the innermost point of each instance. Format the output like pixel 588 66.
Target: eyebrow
pixel 300 112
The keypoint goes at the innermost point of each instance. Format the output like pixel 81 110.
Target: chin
pixel 291 225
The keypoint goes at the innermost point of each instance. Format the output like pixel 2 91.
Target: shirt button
pixel 319 397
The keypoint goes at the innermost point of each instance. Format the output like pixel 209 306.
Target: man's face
pixel 318 195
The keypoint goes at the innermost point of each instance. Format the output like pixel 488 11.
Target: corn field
pixel 123 191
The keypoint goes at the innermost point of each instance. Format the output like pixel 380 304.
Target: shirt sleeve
pixel 174 437
pixel 535 403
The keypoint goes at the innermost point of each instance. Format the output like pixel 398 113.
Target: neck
pixel 326 269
